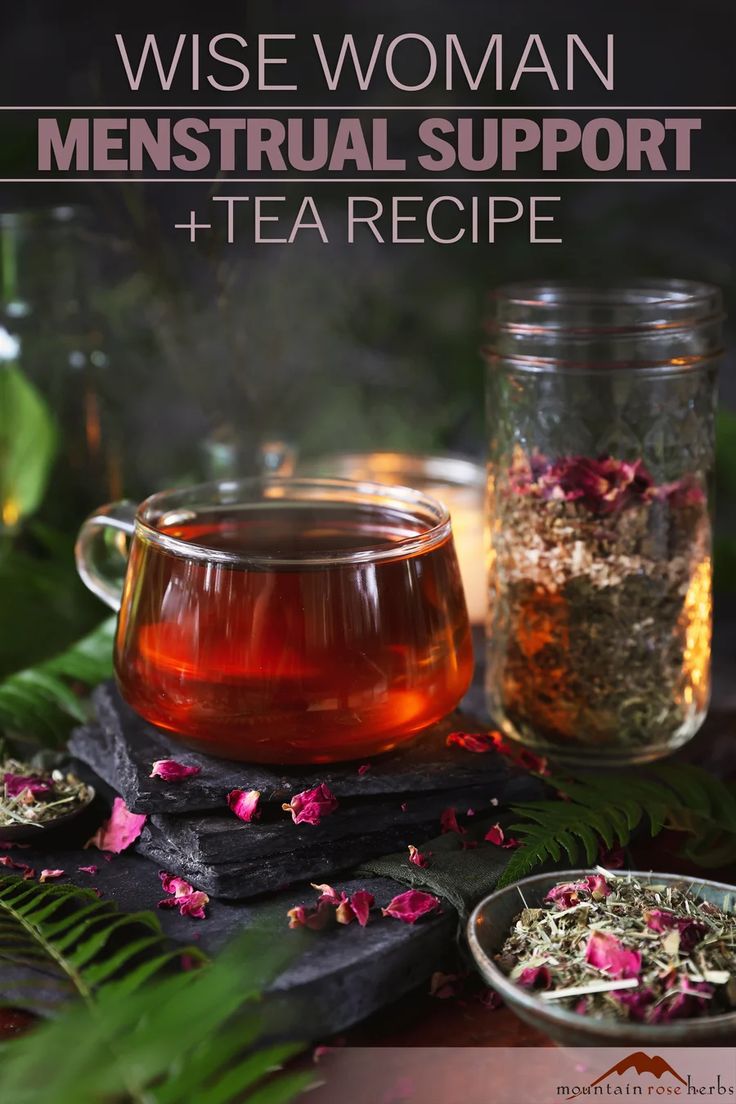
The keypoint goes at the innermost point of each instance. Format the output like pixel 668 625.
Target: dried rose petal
pixel 193 904
pixel 327 893
pixel 364 769
pixel 47 875
pixel 88 869
pixel 689 999
pixel 171 771
pixel 28 871
pixel 535 977
pixel 448 822
pixel 478 742
pixel 343 913
pixel 470 812
pixel 608 954
pixel 185 897
pixel 691 931
pixel 310 806
pixel 171 883
pixel 117 833
pixel 361 903
pixel 15 784
pixel 417 857
pixel 612 860
pixel 312 918
pixel 443 986
pixel 497 836
pixel 412 905
pixel 244 803
pixel 522 757
pixel 490 1000
pixel 567 894
pixel 403 806
pixel 638 1001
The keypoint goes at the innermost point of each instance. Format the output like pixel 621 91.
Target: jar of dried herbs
pixel 601 411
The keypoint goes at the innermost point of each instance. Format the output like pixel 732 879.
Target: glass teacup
pixel 284 620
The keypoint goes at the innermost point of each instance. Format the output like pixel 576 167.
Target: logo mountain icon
pixel 641 1063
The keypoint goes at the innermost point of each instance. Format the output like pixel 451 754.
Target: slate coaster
pixel 133 745
pixel 231 859
pixel 337 976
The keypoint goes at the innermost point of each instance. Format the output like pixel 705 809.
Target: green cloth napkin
pixel 462 876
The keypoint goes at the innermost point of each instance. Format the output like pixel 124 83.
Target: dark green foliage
pixel 139 1032
pixel 40 703
pixel 603 810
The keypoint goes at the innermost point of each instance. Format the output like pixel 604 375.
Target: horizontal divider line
pixel 497 108
pixel 549 181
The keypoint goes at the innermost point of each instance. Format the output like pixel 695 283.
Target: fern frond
pixel 77 940
pixel 193 1038
pixel 39 702
pixel 604 810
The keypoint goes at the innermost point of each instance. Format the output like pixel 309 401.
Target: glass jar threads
pixel 601 409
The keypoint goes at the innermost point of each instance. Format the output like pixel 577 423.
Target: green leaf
pixel 191 1038
pixel 27 445
pixel 604 811
pixel 39 701
pixel 92 942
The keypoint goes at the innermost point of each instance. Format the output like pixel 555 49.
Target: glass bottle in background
pixel 46 270
pixel 601 410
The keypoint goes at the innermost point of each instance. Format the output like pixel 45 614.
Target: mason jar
pixel 601 408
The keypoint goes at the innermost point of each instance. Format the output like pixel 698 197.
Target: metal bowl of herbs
pixel 35 800
pixel 594 958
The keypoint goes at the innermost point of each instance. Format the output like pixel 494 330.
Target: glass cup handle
pixel 101 550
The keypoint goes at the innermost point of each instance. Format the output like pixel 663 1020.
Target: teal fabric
pixel 462 876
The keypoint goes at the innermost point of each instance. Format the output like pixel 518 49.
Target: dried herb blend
pixel 34 797
pixel 601 606
pixel 614 947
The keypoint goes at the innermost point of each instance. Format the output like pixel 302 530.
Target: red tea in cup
pixel 290 621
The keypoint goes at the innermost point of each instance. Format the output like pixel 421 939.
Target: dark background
pixel 167 362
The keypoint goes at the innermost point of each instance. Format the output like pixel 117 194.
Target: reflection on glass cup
pixel 455 480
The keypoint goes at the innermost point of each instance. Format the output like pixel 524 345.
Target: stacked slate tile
pixel 190 830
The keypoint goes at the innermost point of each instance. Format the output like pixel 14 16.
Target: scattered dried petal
pixel 612 860
pixel 361 902
pixel 443 986
pixel 312 918
pixel 448 822
pixel 171 771
pixel 310 806
pixel 417 857
pixel 244 803
pixel 364 769
pixel 608 954
pixel 117 833
pixel 28 871
pixel 92 869
pixel 490 1000
pixel 189 901
pixel 497 836
pixel 412 905
pixel 478 742
pixel 47 875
